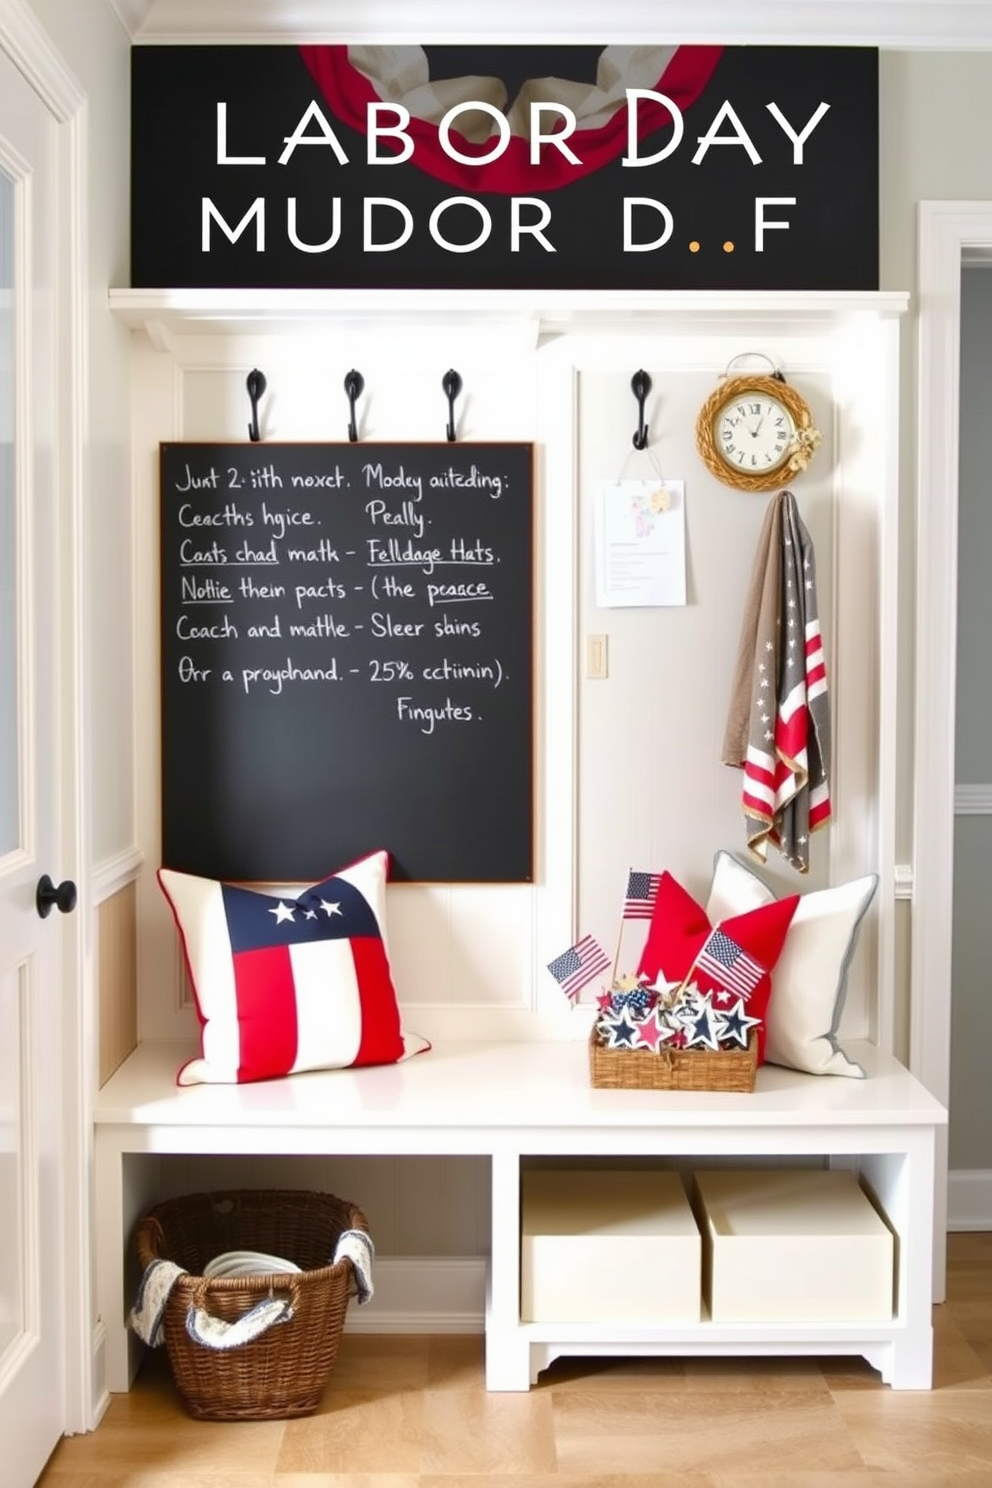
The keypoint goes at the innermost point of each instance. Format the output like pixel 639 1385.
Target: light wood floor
pixel 411 1412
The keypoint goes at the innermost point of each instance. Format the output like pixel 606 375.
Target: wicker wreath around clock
pixel 755 399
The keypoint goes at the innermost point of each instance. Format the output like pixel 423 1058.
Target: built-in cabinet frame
pixel 854 341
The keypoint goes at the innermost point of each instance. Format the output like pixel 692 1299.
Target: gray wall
pixel 973 722
pixel 971 1016
pixel 935 123
pixel 936 120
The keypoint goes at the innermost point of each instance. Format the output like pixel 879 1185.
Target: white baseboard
pixel 424 1294
pixel 969 1199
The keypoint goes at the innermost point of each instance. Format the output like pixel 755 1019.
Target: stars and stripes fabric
pixel 641 896
pixel 353 79
pixel 577 966
pixel 778 725
pixel 289 980
pixel 729 965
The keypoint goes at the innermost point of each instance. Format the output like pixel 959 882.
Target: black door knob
pixel 47 896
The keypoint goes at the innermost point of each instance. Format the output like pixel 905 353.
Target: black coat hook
pixel 452 384
pixel 640 385
pixel 255 383
pixel 354 383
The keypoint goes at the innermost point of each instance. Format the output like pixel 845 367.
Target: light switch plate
pixel 597 657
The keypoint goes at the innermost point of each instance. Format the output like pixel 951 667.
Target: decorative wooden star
pixel 701 1031
pixel 734 1026
pixel 619 1030
pixel 654 1030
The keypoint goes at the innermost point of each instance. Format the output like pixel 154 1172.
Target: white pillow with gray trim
pixel 809 983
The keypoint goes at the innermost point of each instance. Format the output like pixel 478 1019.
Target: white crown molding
pixel 30 48
pixel 132 14
pixel 943 25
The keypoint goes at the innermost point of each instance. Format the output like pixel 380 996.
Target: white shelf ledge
pixel 167 313
pixel 455 1099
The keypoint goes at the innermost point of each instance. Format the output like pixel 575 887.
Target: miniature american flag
pixel 729 965
pixel 642 892
pixel 578 965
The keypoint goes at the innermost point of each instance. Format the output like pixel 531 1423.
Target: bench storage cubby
pixel 454 1101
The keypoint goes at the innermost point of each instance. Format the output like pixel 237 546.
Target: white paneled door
pixel 32 1237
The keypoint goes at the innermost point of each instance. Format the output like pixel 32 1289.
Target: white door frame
pixel 951 234
pixel 28 46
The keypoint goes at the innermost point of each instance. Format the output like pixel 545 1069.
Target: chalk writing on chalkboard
pixel 347 659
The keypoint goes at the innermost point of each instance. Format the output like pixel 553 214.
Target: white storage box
pixel 793 1245
pixel 607 1246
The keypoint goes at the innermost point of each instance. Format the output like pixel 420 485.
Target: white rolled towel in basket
pixel 160 1276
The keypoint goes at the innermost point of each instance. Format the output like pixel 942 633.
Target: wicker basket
pixel 672 1069
pixel 282 1372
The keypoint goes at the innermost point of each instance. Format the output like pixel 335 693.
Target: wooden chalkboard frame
pixel 347 659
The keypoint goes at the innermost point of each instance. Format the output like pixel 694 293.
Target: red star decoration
pixel 651 1031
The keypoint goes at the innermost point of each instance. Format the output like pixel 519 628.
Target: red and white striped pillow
pixel 289 979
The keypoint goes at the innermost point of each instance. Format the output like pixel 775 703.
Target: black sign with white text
pixel 505 167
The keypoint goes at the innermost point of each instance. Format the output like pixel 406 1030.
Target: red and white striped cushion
pixel 288 979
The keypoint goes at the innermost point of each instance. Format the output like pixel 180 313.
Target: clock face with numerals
pixel 753 433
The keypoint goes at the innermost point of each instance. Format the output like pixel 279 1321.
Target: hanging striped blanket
pixel 778 725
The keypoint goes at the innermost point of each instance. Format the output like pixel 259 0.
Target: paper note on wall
pixel 640 543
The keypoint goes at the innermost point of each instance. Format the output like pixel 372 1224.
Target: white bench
pixel 512 1102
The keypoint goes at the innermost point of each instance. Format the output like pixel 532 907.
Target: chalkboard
pixel 347 659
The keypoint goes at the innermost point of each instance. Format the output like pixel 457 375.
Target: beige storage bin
pixel 792 1245
pixel 607 1246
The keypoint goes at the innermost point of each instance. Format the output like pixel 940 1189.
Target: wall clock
pixel 755 432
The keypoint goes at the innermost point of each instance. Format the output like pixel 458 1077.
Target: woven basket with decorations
pixel 671 1069
pixel 672 1038
pixel 702 1032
